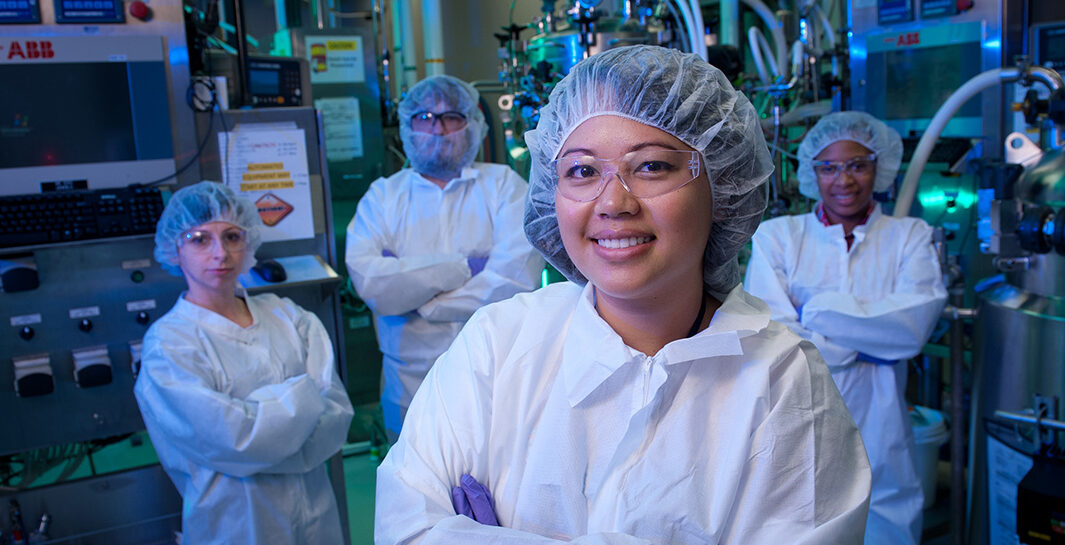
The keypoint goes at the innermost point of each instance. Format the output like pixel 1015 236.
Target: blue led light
pixel 179 56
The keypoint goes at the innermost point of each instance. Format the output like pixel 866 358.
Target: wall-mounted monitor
pixel 83 108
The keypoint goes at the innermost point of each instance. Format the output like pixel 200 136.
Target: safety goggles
pixel 857 167
pixel 232 240
pixel 424 121
pixel 644 173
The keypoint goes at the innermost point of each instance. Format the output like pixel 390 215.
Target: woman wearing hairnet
pixel 649 400
pixel 239 393
pixel 866 289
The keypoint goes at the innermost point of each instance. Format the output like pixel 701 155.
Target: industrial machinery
pixel 564 35
pixel 98 130
pixel 1019 381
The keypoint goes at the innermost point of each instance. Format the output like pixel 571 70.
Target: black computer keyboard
pixel 45 218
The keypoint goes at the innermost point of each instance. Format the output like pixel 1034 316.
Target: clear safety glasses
pixel 644 173
pixel 232 240
pixel 424 121
pixel 857 167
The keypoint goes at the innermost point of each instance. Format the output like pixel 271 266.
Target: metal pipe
pixel 318 12
pixel 432 30
pixel 957 415
pixel 951 312
pixel 242 52
pixel 1046 76
pixel 1029 419
pixel 729 33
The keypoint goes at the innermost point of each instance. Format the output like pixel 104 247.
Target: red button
pixel 140 10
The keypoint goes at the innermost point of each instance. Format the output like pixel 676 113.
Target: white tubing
pixel 826 26
pixel 689 26
pixel 968 90
pixel 797 58
pixel 776 29
pixel 756 40
pixel 700 29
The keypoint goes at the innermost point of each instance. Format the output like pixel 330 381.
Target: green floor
pixel 360 478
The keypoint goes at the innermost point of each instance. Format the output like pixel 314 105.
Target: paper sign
pixel 336 59
pixel 343 128
pixel 267 162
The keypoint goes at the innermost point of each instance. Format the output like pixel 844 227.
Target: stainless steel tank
pixel 1019 346
pixel 563 48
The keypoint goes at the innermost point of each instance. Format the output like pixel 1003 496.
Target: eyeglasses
pixel 424 121
pixel 643 173
pixel 232 240
pixel 857 167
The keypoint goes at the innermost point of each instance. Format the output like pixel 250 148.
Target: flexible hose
pixel 756 40
pixel 700 29
pixel 776 29
pixel 826 25
pixel 968 90
pixel 691 27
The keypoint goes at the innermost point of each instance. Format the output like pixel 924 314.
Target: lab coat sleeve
pixel 766 278
pixel 513 265
pixel 183 411
pixel 331 430
pixel 806 420
pixel 444 436
pixel 393 286
pixel 894 327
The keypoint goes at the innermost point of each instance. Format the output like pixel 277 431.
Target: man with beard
pixel 432 243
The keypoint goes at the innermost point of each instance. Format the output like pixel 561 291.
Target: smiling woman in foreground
pixel 649 399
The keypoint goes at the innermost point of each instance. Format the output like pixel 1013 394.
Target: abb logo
pixel 30 49
pixel 908 38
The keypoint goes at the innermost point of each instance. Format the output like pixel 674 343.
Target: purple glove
pixel 387 253
pixel 473 499
pixel 476 265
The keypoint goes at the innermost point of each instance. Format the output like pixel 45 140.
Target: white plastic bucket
pixel 929 433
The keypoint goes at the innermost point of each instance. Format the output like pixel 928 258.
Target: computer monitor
pixel 83 111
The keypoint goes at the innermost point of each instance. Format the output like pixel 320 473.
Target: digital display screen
pixel 88 11
pixel 19 11
pixel 45 123
pixel 264 82
pixel 938 8
pixel 894 11
pixel 1051 47
pixel 919 80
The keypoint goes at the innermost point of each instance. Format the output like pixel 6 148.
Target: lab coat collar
pixel 593 351
pixel 210 319
pixel 835 231
pixel 467 174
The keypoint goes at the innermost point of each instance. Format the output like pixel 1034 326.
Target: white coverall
pixel 881 298
pixel 421 297
pixel 734 436
pixel 242 420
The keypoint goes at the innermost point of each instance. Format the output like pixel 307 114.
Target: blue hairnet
pixel 857 127
pixel 201 203
pixel 442 156
pixel 682 95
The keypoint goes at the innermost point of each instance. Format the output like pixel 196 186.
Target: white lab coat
pixel 242 420
pixel 421 298
pixel 881 298
pixel 734 436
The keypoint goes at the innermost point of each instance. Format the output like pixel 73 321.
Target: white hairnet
pixel 202 203
pixel 857 127
pixel 682 95
pixel 442 156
